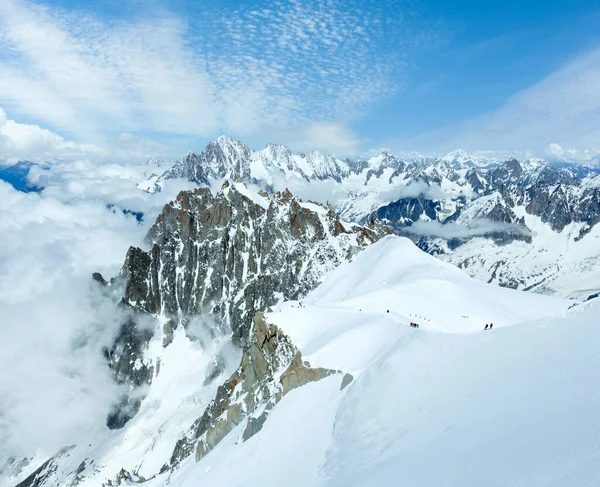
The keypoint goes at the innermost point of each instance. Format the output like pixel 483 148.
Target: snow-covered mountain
pixel 188 304
pixel 470 210
pixel 461 159
pixel 227 158
pixel 255 321
pixel 262 331
pixel 338 389
pixel 445 404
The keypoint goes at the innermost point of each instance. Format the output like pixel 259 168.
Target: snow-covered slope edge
pixel 188 299
pixel 446 387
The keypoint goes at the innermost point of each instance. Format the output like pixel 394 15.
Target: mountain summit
pixel 449 206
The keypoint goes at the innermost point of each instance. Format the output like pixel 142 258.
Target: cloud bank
pixel 20 141
pixel 53 323
pixel 475 228
pixel 414 190
pixel 57 387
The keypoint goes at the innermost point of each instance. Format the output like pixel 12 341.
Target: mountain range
pixel 278 326
pixel 469 210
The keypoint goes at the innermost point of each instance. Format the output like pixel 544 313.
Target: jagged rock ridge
pixel 220 258
pixel 271 366
pixel 234 253
pixel 223 257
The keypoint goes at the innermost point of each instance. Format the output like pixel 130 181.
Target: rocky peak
pixel 228 254
pixel 227 158
pixel 224 256
pixel 271 366
pixel 507 173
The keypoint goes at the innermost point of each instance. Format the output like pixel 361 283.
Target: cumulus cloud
pixel 557 153
pixel 474 228
pixel 20 141
pixel 560 110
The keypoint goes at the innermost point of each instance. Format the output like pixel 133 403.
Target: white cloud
pixel 555 152
pixel 20 141
pixel 248 71
pixel 475 228
pixel 25 141
pixel 334 138
pixel 54 322
pixel 413 190
pixel 563 109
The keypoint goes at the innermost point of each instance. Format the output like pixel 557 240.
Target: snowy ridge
pixel 214 261
pixel 420 395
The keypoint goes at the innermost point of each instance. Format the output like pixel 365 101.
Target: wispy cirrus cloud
pixel 558 118
pixel 244 71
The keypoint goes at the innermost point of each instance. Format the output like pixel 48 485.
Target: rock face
pixel 437 189
pixel 270 367
pixel 223 257
pixel 235 253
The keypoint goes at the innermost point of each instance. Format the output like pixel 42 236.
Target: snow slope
pixel 169 409
pixel 553 263
pixel 445 404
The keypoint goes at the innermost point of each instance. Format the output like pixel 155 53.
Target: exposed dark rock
pixel 123 411
pixel 251 392
pixel 406 211
pixel 224 257
pixel 96 276
pixel 346 380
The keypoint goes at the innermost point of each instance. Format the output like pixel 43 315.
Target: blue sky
pixel 145 77
pixel 489 52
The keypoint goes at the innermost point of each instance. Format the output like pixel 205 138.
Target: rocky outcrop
pixel 223 257
pixel 270 368
pixel 558 194
pixel 232 254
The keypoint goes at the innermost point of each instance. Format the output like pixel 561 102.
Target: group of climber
pixel 488 327
pixel 412 323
